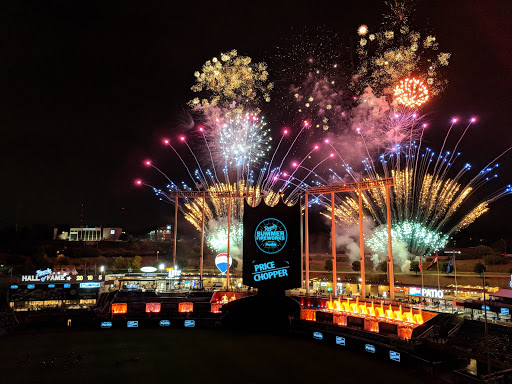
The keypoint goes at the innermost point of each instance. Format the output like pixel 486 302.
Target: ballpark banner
pixel 272 246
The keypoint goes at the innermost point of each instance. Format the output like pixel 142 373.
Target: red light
pixel 185 307
pixel 216 307
pixel 331 155
pixel 326 141
pixel 316 146
pixel 138 182
pixel 285 132
pixel 182 138
pixel 166 141
pixel 147 163
pixel 153 307
pixel 119 308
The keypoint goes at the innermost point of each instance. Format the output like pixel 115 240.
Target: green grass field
pixel 186 356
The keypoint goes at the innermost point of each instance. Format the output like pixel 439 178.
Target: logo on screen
pixel 270 236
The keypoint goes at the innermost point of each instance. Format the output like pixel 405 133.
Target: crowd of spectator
pixel 470 337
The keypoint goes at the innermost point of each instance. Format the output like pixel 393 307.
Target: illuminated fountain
pixel 220 298
pixel 373 315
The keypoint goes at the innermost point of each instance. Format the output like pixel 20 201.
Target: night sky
pixel 89 88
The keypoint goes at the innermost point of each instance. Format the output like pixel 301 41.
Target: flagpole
pixel 421 268
pixel 438 284
pixel 455 270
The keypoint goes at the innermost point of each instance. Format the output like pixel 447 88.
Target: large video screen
pixel 272 246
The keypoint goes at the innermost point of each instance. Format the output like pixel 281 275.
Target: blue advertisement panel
pixel 272 246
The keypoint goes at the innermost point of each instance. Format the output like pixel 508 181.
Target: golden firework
pixel 233 81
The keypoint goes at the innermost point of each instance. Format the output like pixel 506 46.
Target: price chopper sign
pixel 271 246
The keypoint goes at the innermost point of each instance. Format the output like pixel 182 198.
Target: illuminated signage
pixel 433 293
pixel 369 348
pixel 190 323
pixel 47 275
pixel 395 356
pixel 413 291
pixel 132 324
pixel 14 287
pixel 424 292
pixel 174 273
pixel 340 340
pixel 266 271
pixel 51 285
pixel 271 244
pixel 31 286
pixel 487 308
pixel 165 323
pixel 106 324
pixel 270 235
pixel 221 261
pixel 43 274
pixel 67 285
pixel 318 336
pixel 504 311
pixel 90 285
pixel 148 269
pixel 323 284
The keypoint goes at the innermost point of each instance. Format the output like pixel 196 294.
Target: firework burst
pixel 396 52
pixel 428 204
pixel 238 142
pixel 233 82
pixel 411 92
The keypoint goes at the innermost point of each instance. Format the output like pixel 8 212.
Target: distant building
pixel 88 234
pixel 161 234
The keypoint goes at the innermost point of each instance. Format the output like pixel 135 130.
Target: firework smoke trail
pixel 148 163
pixel 203 180
pixel 305 125
pixel 285 133
pixel 201 129
pixel 168 142
pixel 291 196
pixel 295 170
pixel 345 165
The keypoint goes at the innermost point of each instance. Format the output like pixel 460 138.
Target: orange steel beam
pixel 391 276
pixel 333 242
pixel 306 234
pixel 175 234
pixel 358 186
pixel 210 195
pixel 361 246
pixel 202 245
pixel 229 231
pixel 350 187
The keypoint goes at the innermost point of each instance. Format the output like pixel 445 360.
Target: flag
pixel 420 264
pixel 433 263
pixel 449 268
